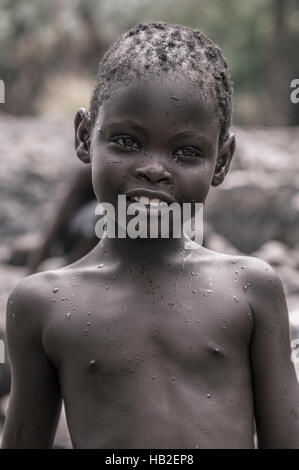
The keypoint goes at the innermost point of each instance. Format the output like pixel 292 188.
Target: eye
pixel 127 142
pixel 187 152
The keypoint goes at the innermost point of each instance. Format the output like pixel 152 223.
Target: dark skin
pixel 163 347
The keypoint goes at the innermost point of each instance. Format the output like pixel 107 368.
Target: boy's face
pixel 155 136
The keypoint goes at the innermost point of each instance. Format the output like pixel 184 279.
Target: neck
pixel 144 250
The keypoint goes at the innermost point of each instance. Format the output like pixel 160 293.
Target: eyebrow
pixel 183 134
pixel 135 125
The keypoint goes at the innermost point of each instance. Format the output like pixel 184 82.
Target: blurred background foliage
pixel 50 50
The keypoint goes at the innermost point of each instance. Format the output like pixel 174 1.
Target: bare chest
pixel 121 325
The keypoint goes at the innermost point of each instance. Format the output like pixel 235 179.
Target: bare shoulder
pixel 264 280
pixel 29 300
pixel 258 278
pixel 254 270
pixel 265 291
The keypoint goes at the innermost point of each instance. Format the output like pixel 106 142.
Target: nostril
pixel 154 174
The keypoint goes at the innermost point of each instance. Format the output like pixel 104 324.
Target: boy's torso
pixel 149 358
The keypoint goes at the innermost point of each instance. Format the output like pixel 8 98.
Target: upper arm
pixel 276 391
pixel 35 401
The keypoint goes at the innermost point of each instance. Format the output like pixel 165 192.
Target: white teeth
pixel 154 202
pixel 146 201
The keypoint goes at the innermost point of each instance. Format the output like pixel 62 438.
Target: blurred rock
pixel 290 279
pixel 39 158
pixel 21 248
pixel 217 242
pixel 258 200
pixel 276 253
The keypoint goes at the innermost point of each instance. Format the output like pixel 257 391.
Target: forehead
pixel 164 102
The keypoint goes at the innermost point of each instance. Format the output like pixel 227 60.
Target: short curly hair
pixel 160 48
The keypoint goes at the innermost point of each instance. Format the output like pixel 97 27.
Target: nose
pixel 153 173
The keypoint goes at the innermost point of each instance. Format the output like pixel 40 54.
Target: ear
pixel 82 135
pixel 224 158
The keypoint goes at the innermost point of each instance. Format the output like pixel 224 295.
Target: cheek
pixel 195 184
pixel 107 179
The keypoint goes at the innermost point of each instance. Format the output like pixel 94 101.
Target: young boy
pixel 149 344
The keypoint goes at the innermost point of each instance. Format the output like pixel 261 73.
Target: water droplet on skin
pixel 243 267
pixel 132 371
pixel 236 272
pixel 87 323
pixel 245 288
pixel 55 290
pixel 13 315
pixel 186 321
pixel 172 378
pixel 208 395
pixel 62 299
pixel 100 266
pixel 209 291
pixel 196 319
pixel 107 287
pixel 224 327
pixel 266 269
pixel 192 274
pixel 234 261
pixel 92 363
pixel 154 377
pixel 216 350
pixel 236 299
pixel 68 315
pixel 206 432
pixel 194 291
pixel 11 302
